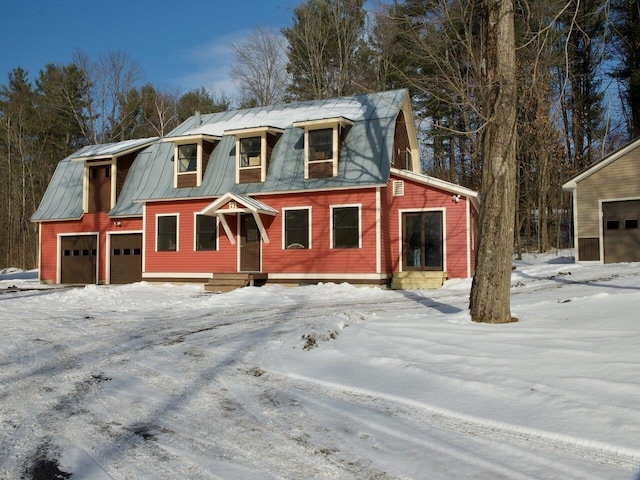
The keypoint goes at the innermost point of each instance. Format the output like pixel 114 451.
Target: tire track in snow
pixel 598 452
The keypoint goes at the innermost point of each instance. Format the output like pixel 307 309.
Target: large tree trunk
pixel 490 301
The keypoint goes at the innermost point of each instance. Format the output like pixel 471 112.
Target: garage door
pixel 126 258
pixel 78 259
pixel 621 232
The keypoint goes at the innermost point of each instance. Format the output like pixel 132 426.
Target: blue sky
pixel 177 45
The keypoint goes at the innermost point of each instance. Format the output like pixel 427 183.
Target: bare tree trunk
pixel 490 291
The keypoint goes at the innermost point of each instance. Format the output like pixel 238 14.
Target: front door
pixel 249 244
pixel 422 241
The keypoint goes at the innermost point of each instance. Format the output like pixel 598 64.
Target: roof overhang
pixel 253 130
pixel 111 151
pixel 318 122
pixel 572 184
pixel 184 139
pixel 234 203
pixel 452 188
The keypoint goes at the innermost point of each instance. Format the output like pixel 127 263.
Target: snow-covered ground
pixel 326 381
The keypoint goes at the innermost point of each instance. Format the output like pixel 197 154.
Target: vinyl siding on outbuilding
pixel 615 178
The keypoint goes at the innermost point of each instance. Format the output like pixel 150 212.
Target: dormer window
pixel 253 152
pixel 322 145
pixel 250 152
pixel 187 158
pixel 191 156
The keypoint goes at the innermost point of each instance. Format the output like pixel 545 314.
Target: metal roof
pixel 365 158
pixel 63 198
pixel 112 149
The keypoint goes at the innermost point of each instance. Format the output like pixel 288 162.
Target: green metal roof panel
pixel 63 197
pixel 365 158
pixel 111 149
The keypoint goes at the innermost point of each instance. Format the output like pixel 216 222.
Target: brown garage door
pixel 621 232
pixel 126 258
pixel 78 259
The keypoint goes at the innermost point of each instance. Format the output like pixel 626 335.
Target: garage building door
pixel 126 258
pixel 78 258
pixel 621 232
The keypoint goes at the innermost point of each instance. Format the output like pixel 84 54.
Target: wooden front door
pixel 422 245
pixel 249 244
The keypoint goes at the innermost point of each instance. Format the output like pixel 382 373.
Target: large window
pixel 346 227
pixel 206 232
pixel 167 236
pixel 321 144
pixel 250 152
pixel 296 228
pixel 187 158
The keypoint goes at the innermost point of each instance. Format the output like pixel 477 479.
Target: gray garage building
pixel 606 208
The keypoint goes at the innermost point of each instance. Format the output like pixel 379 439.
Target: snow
pixel 283 117
pixel 326 381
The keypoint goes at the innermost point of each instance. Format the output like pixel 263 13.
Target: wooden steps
pixel 226 282
pixel 418 280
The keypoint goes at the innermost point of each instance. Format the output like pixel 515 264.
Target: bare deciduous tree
pixel 259 68
pixel 111 77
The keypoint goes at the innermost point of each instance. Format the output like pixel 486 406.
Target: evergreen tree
pixel 626 23
pixel 327 49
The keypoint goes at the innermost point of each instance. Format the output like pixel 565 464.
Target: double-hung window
pixel 296 228
pixel 250 152
pixel 187 158
pixel 167 233
pixel 206 232
pixel 345 222
pixel 321 144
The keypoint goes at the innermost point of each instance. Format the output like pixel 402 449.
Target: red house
pixel 305 192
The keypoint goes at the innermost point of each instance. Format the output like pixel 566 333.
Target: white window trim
pixel 195 232
pixel 108 256
pixel 284 210
pixel 444 233
pixel 199 150
pixel 336 123
pixel 177 215
pixel 336 138
pixel 263 154
pixel 59 252
pixel 331 208
pixel 112 178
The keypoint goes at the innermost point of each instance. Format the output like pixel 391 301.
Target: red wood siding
pixel 420 197
pixel 90 222
pixel 186 259
pixel 320 258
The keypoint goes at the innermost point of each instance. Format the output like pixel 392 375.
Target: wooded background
pixel 578 76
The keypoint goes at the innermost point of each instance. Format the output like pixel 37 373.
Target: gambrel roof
pixel 366 155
